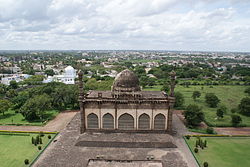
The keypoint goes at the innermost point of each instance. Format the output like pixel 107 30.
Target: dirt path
pixel 233 131
pixel 55 125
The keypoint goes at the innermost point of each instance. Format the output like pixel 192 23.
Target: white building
pixel 14 77
pixel 68 77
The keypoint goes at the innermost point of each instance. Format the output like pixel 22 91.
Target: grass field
pixel 223 151
pixel 16 148
pixel 10 117
pixel 230 96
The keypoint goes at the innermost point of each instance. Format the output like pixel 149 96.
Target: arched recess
pixel 159 122
pixel 92 121
pixel 126 122
pixel 144 122
pixel 108 121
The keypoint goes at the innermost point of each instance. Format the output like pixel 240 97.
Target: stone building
pixel 126 108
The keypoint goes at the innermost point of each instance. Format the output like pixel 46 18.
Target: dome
pixel 69 68
pixel 126 81
pixel 69 71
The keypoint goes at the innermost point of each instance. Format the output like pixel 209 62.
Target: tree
pixel 11 93
pixel 165 87
pixel 20 99
pixel 212 100
pixel 144 81
pixel 4 105
pixel 34 108
pixel 247 91
pixel 221 111
pixel 236 120
pixel 244 106
pixel 91 84
pixel 193 115
pixel 34 80
pixel 196 94
pixel 13 85
pixel 179 99
pixel 50 72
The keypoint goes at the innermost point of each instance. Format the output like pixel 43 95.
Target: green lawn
pixel 223 151
pixel 10 117
pixel 230 96
pixel 16 148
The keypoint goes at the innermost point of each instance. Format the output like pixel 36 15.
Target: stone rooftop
pixel 145 94
pixel 64 151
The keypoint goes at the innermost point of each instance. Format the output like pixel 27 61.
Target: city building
pixel 68 77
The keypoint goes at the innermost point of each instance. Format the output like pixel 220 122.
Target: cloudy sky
pixel 206 25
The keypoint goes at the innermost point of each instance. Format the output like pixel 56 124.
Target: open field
pixel 10 117
pixel 15 148
pixel 223 151
pixel 230 96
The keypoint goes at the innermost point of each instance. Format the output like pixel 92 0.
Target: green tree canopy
pixel 247 91
pixel 34 80
pixel 244 106
pixel 4 105
pixel 13 85
pixel 196 94
pixel 221 111
pixel 236 120
pixel 212 100
pixel 193 115
pixel 50 72
pixel 34 108
pixel 179 99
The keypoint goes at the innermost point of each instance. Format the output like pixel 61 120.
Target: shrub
pixel 196 150
pixel 39 147
pixel 49 137
pixel 205 143
pixel 37 139
pixel 205 164
pixel 210 130
pixel 32 140
pixel 26 162
pixel 236 120
pixel 188 137
pixel 41 134
pixel 234 110
pixel 40 140
pixel 197 143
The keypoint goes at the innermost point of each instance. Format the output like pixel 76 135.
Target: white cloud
pixel 118 24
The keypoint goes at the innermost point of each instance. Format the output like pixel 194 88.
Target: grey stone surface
pixel 64 151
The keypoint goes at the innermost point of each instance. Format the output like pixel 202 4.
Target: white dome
pixel 69 70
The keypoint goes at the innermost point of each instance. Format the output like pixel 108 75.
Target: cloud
pixel 118 24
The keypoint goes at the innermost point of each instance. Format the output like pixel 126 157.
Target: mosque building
pixel 126 108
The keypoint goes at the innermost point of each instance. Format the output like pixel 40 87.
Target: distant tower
pixel 81 102
pixel 170 112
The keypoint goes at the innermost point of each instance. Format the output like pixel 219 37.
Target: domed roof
pixel 69 68
pixel 69 71
pixel 126 81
